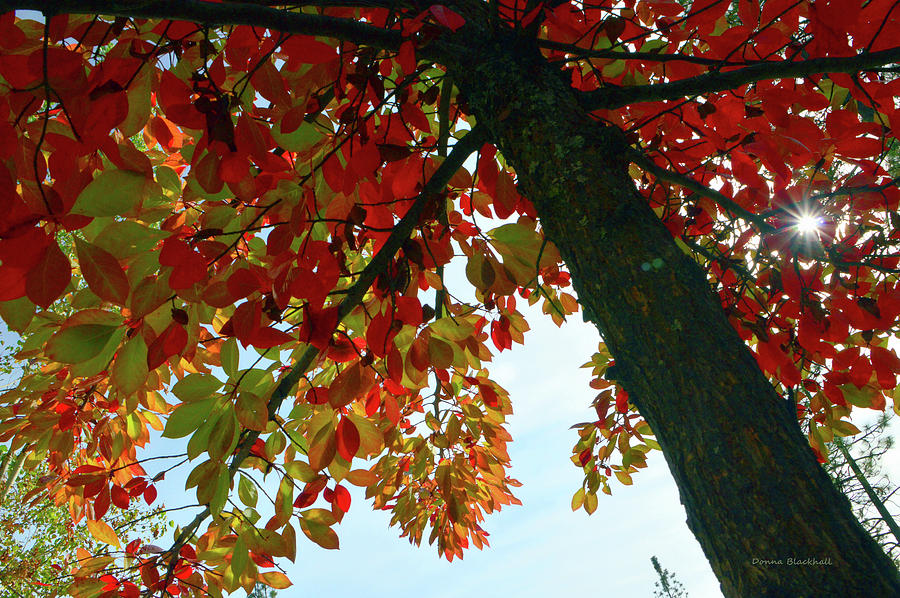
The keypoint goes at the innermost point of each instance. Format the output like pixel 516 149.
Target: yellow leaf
pixel 590 502
pixel 102 532
pixel 275 579
pixel 623 477
pixel 578 499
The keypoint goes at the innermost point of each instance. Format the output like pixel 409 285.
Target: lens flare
pixel 808 223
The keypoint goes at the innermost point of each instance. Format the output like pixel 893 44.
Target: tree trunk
pixel 765 513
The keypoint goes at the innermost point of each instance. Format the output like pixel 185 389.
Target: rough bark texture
pixel 754 494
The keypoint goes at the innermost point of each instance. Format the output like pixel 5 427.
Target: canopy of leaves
pixel 246 210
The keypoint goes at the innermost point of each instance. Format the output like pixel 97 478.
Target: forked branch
pixel 611 97
pixel 401 232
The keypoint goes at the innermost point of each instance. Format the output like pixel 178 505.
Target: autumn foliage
pixel 238 236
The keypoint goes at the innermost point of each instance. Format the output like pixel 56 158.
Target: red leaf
pixel 265 337
pixel 189 266
pixel 171 342
pixel 317 395
pixel 347 440
pixel 47 280
pixel 406 179
pixel 341 498
pixel 488 395
pixel 406 57
pixel 174 97
pixel 318 326
pixel 242 283
pixel 887 366
pixel 447 17
pixel 304 49
pixel 507 198
pixel 487 170
pixel 861 371
pixel 531 16
pixel 12 282
pixel 859 147
pixel 585 456
pixel 207 173
pixel 350 385
pixel 245 321
pixel 102 501
pixel 119 497
pixel 262 559
pixel 234 167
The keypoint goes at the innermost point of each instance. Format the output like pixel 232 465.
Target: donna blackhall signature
pixel 794 562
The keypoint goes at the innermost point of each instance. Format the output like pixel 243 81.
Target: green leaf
pixel 523 250
pixel 75 344
pixel 240 557
pixel 624 477
pixel 320 516
pixel 252 411
pixel 298 140
pixel 858 397
pixel 195 387
pixel 315 528
pixel 229 356
pixel 301 471
pixel 223 437
pixel 454 329
pixel 187 417
pixel 844 428
pixel 127 238
pixel 275 579
pixel 129 372
pixel 112 193
pixel 247 491
pixel 590 502
pixel 17 313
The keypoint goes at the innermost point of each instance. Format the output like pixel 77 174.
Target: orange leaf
pixel 351 384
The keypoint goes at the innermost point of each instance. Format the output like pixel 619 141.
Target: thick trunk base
pixel 764 511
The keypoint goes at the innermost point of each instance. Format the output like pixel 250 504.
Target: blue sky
pixel 540 548
pixel 537 549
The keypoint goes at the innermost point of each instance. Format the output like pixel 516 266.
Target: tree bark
pixel 765 513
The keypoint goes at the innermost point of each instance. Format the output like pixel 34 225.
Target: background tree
pixel 712 185
pixel 855 463
pixel 39 544
pixel 667 586
pixel 262 591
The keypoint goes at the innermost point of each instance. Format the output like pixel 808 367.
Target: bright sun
pixel 808 223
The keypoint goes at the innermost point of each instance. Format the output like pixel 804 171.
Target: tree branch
pixel 578 53
pixel 610 97
pixel 220 13
pixel 688 183
pixel 435 185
